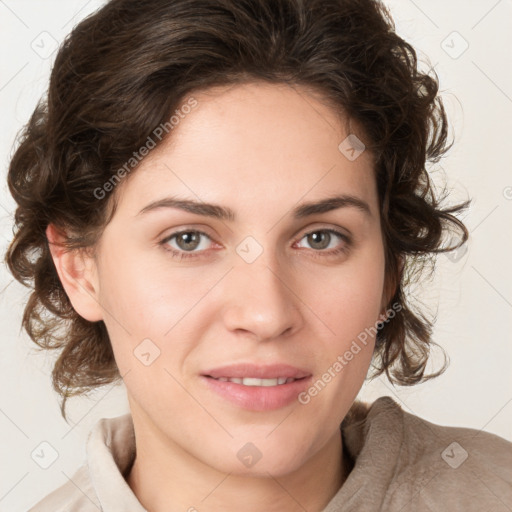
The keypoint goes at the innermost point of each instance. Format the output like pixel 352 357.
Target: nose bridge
pixel 258 296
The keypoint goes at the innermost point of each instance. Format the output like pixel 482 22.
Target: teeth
pixel 251 381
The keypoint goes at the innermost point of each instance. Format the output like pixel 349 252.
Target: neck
pixel 166 478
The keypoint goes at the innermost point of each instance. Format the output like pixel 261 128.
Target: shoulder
pixel 444 467
pixel 76 495
pixel 99 483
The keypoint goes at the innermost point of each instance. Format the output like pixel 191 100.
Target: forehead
pixel 254 141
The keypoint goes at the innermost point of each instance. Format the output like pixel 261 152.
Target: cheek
pixel 351 308
pixel 147 299
pixel 352 297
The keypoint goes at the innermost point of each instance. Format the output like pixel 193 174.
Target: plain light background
pixel 469 44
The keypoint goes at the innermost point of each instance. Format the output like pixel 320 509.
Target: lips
pixel 257 387
pixel 251 373
pixel 253 381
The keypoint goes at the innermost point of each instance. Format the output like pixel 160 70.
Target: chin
pixel 260 459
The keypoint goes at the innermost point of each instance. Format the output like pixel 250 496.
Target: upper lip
pixel 272 371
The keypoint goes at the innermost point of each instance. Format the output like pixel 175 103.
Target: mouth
pixel 254 381
pixel 251 374
pixel 257 388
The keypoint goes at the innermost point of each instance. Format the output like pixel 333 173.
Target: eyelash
pixel 317 253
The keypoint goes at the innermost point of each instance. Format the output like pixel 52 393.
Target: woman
pixel 220 204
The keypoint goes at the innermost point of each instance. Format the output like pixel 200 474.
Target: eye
pixel 322 239
pixel 188 241
pixel 191 243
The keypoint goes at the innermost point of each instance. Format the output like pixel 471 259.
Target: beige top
pixel 401 463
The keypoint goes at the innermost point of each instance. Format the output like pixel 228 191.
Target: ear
pixel 78 274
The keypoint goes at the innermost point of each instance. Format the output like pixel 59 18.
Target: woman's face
pixel 275 289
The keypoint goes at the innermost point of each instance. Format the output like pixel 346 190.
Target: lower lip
pixel 258 398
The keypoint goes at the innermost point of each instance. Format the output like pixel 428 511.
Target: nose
pixel 259 298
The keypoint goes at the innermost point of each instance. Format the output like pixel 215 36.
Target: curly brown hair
pixel 125 69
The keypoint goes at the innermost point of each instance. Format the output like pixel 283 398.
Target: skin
pixel 260 150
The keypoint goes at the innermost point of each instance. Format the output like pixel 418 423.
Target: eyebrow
pixel 223 213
